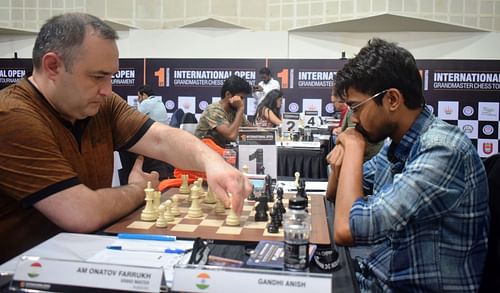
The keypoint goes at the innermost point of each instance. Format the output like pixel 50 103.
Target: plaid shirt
pixel 427 212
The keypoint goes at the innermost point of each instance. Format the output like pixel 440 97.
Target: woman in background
pixel 268 111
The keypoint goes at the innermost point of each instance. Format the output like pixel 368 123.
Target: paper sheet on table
pixel 146 258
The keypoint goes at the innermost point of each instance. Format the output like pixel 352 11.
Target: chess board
pixel 213 226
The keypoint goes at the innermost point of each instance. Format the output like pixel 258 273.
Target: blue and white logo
pixel 169 104
pixel 329 108
pixel 293 107
pixel 488 129
pixel 203 105
pixel 468 111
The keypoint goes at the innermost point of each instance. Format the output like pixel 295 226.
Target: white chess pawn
pixel 219 206
pixel 161 222
pixel 210 198
pixel 245 169
pixel 184 189
pixel 157 202
pixel 175 205
pixel 169 217
pixel 297 177
pixel 232 219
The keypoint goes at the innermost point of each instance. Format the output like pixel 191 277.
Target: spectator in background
pixel 268 111
pixel 267 84
pixel 221 120
pixel 155 109
pixel 151 105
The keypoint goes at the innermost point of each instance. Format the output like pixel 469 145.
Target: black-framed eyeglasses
pixel 356 107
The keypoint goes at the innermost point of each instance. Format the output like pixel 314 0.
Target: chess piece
pixel 278 214
pixel 232 219
pixel 184 189
pixel 268 189
pixel 219 206
pixel 279 194
pixel 169 217
pixel 194 210
pixel 210 198
pixel 301 190
pixel 261 210
pixel 244 169
pixel 273 226
pixel 297 177
pixel 194 190
pixel 252 194
pixel 175 205
pixel 148 214
pixel 199 183
pixel 156 202
pixel 161 222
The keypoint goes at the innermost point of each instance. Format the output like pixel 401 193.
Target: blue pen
pixel 147 249
pixel 146 237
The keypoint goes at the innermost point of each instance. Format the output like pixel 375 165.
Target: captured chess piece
pixel 149 214
pixel 261 210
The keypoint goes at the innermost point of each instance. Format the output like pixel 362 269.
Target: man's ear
pixel 52 65
pixel 395 99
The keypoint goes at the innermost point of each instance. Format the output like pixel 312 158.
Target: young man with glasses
pixel 422 202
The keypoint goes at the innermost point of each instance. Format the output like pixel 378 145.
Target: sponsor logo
pixel 203 105
pixel 203 281
pixel 487 148
pixel 448 110
pixel 488 129
pixel 467 128
pixel 35 270
pixel 293 107
pixel 468 111
pixel 431 109
pixel 488 111
pixel 169 104
pixel 329 108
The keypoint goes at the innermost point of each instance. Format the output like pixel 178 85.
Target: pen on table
pixel 146 237
pixel 150 249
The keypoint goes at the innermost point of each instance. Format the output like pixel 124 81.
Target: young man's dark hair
pixel 369 73
pixel 265 70
pixel 235 84
pixel 145 89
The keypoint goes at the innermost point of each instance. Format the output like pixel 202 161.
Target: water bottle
pixel 230 155
pixel 297 227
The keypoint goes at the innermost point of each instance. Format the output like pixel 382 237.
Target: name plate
pixel 61 275
pixel 214 279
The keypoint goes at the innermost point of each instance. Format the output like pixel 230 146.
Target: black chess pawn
pixel 273 226
pixel 301 190
pixel 252 194
pixel 279 195
pixel 261 210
